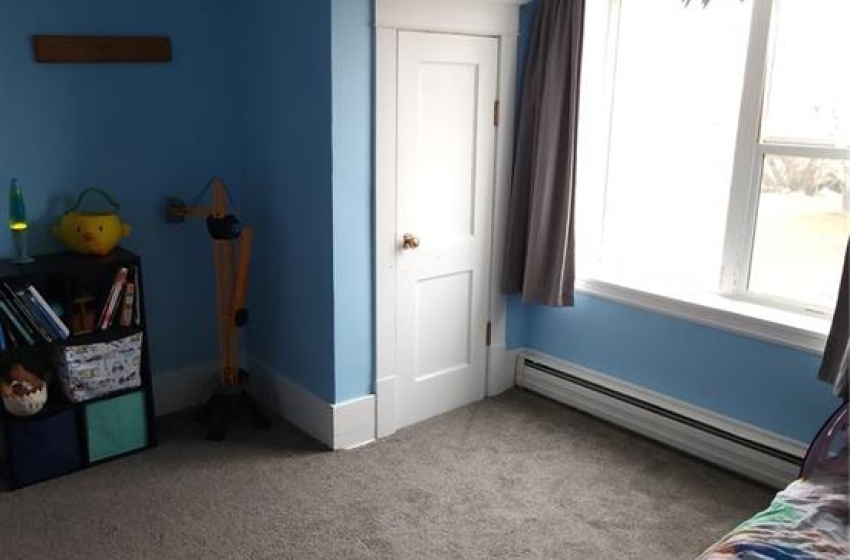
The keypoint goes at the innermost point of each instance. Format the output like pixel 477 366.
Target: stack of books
pixel 27 318
pixel 122 304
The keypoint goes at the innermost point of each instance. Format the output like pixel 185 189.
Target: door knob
pixel 409 241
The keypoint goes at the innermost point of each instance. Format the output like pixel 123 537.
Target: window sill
pixel 786 328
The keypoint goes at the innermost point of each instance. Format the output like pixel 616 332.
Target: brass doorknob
pixel 409 241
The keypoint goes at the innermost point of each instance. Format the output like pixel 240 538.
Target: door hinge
pixel 496 113
pixel 489 332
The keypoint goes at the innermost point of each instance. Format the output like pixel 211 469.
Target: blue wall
pixel 255 95
pixel 351 39
pixel 285 84
pixel 141 131
pixel 306 116
pixel 764 384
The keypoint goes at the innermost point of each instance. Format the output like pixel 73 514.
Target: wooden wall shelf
pixel 101 48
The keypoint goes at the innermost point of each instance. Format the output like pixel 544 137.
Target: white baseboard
pixel 337 426
pixel 711 447
pixel 286 398
pixel 501 365
pixel 386 414
pixel 354 422
pixel 180 389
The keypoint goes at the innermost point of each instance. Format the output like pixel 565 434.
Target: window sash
pixel 747 172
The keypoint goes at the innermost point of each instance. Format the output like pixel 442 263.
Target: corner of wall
pixel 352 123
pixel 337 426
pixel 286 147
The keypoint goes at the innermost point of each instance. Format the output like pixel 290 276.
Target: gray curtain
pixel 834 367
pixel 539 252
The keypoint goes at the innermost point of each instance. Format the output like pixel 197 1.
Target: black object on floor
pixel 222 407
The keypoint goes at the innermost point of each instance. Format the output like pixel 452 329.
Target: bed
pixel 808 519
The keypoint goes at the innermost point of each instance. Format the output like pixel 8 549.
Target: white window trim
pixel 741 217
pixel 761 322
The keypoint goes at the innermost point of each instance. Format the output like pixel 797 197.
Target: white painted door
pixel 446 91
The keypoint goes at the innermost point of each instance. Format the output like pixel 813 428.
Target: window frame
pixel 750 151
pixel 729 308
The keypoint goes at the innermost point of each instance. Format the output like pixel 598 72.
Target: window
pixel 714 149
pixel 794 166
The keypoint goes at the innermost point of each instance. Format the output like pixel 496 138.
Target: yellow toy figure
pixel 91 233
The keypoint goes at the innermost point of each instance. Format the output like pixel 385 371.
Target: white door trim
pixel 468 17
pixel 471 17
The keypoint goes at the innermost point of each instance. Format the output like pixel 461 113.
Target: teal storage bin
pixel 116 426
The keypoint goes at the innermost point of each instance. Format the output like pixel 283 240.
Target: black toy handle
pixel 101 192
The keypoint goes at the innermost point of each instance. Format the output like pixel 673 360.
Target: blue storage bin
pixel 44 447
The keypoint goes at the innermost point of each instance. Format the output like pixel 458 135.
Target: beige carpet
pixel 512 477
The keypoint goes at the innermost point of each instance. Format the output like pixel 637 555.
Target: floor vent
pixel 746 449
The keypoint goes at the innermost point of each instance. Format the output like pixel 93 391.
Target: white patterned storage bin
pixel 92 370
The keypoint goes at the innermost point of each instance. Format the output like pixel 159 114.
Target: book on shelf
pixel 34 314
pixel 107 313
pixel 38 316
pixel 5 308
pixel 127 305
pixel 27 315
pixel 8 330
pixel 22 315
pixel 54 320
pixel 41 315
pixel 116 310
pixel 137 298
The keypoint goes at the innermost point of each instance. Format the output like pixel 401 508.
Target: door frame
pixel 491 18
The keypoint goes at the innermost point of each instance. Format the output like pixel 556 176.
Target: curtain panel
pixel 836 361
pixel 540 246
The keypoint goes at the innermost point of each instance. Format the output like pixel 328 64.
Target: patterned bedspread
pixel 806 520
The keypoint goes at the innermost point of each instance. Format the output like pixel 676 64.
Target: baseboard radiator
pixel 743 448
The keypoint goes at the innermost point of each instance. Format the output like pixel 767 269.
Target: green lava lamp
pixel 18 223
